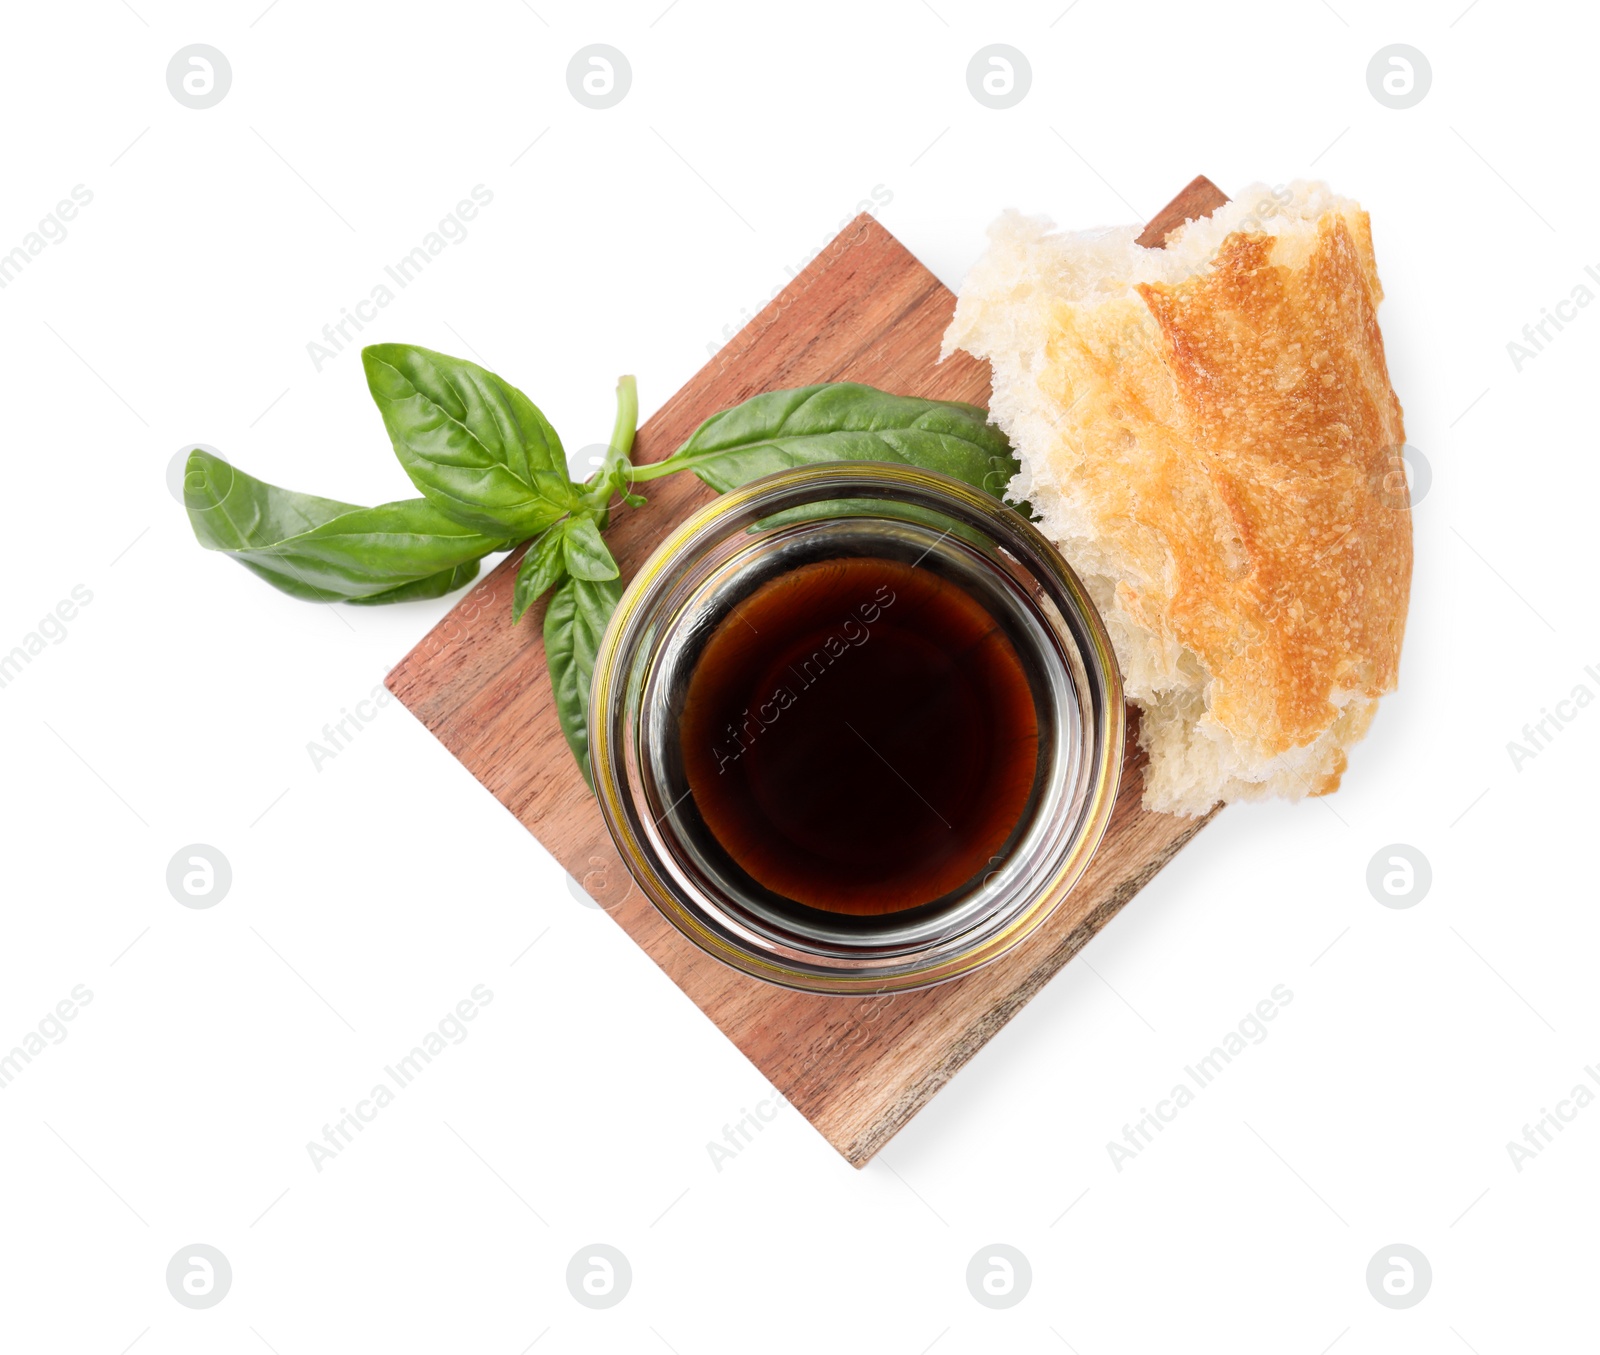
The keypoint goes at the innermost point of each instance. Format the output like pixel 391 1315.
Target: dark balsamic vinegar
pixel 860 736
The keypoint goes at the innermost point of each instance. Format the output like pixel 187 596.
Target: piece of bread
pixel 1208 433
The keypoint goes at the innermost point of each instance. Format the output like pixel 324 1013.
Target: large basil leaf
pixel 476 446
pixel 842 421
pixel 323 550
pixel 573 624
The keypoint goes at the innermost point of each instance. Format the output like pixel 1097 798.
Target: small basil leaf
pixel 323 550
pixel 843 421
pixel 573 625
pixel 542 568
pixel 475 445
pixel 586 554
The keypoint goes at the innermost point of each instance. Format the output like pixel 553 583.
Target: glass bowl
pixel 719 557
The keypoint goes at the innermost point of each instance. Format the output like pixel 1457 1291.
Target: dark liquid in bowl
pixel 860 736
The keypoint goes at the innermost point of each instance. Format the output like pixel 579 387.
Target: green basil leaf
pixel 573 625
pixel 586 554
pixel 542 568
pixel 323 550
pixel 842 421
pixel 228 508
pixel 476 446
pixel 434 586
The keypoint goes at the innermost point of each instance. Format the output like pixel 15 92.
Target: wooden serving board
pixel 859 1067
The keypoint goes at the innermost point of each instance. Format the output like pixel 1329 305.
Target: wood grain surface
pixel 860 1067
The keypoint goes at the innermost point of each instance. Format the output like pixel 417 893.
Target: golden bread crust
pixel 1288 525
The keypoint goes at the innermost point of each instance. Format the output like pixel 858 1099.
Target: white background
pixel 371 895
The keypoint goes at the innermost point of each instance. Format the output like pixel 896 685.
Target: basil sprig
pixel 492 473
